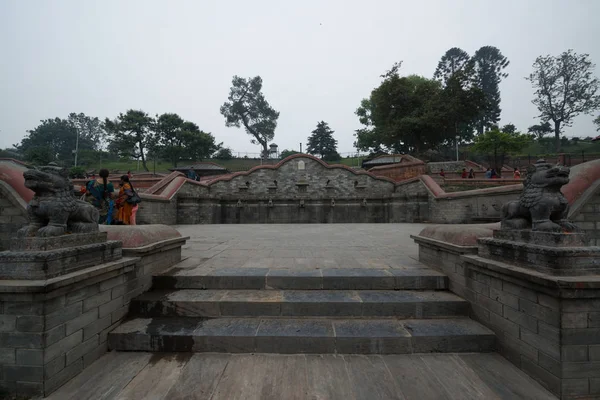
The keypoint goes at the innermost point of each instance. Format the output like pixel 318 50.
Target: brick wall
pixel 400 171
pixel 48 338
pixel 548 329
pixel 13 215
pixel 587 218
pixel 466 209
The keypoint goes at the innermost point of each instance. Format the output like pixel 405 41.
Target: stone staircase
pixel 248 310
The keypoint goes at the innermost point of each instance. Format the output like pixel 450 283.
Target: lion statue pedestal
pixel 535 233
pixel 62 235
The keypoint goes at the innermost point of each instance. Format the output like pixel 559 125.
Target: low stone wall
pixel 400 171
pixel 13 214
pixel 52 330
pixel 585 213
pixel 547 326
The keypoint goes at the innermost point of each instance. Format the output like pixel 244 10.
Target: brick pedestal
pixel 51 329
pixel 548 326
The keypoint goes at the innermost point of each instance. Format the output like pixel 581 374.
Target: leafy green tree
pixel 489 64
pixel 198 144
pixel 453 61
pixel 540 130
pixel 400 115
pixel 53 140
pixel 597 122
pixel 90 130
pixel 168 129
pixel 509 128
pixel 247 106
pixel 414 114
pixel 286 153
pixel 224 154
pixel 564 88
pixel 131 133
pixel 321 142
pixel 458 107
pixel 497 145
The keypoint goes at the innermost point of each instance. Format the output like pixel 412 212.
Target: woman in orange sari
pixel 124 208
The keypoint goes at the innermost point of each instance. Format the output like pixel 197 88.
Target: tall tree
pixel 321 142
pixel 247 106
pixel 564 88
pixel 453 61
pixel 89 129
pixel 413 114
pixel 198 144
pixel 459 105
pixel 509 128
pixel 489 64
pixel 131 133
pixel 53 140
pixel 168 131
pixel 597 122
pixel 540 130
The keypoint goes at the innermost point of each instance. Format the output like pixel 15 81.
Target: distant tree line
pixel 83 140
pixel 417 114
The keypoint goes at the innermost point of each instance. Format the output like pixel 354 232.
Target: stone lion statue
pixel 542 206
pixel 54 210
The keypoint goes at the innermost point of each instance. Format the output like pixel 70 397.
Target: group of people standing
pixel 115 209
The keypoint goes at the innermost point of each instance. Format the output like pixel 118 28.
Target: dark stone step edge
pixel 218 308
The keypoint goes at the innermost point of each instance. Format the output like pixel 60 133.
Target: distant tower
pixel 273 151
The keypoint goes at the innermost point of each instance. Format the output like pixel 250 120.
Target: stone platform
pixel 302 377
pixel 557 254
pixel 39 258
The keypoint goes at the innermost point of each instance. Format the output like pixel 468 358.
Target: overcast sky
pixel 318 59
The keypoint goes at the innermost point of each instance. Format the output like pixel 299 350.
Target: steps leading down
pixel 368 311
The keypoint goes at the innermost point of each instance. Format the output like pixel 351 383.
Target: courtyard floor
pixel 271 376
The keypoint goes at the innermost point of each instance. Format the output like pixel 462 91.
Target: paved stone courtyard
pixel 284 248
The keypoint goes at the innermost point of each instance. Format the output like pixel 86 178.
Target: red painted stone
pixel 11 172
pixel 134 236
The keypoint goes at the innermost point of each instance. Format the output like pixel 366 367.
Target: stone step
pixel 299 335
pixel 311 279
pixel 298 303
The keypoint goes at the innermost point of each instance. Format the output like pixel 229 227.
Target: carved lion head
pixel 49 178
pixel 543 174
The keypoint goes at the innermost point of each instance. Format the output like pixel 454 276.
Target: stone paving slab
pixel 177 376
pixel 300 335
pixel 299 303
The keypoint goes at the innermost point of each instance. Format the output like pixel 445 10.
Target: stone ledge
pixel 450 247
pixel 554 260
pixel 163 245
pixel 560 286
pixel 57 242
pixel 49 285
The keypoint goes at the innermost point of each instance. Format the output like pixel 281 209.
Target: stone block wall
pixel 12 215
pixel 462 209
pixel 157 211
pixel 400 171
pixel 549 327
pixel 49 335
pixel 587 218
pixel 301 177
pixel 447 166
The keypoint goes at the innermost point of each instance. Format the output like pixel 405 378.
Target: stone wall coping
pixel 154 247
pixel 294 156
pixel 45 286
pixel 450 247
pixel 436 190
pixel 557 286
